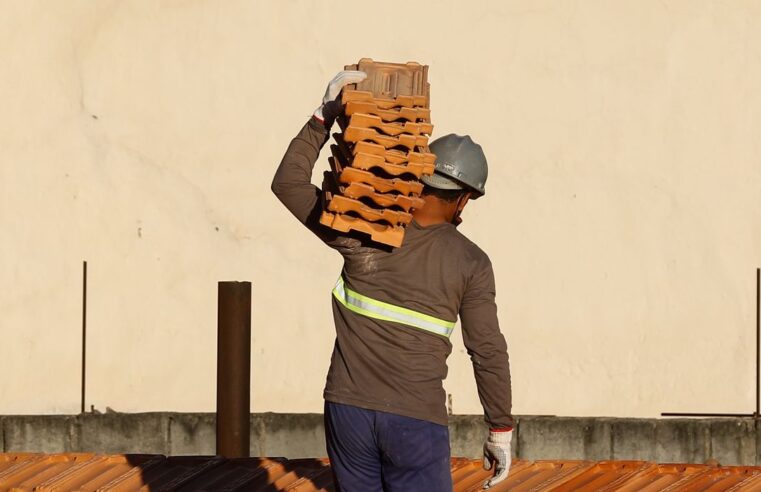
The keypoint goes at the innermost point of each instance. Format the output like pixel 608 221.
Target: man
pixel 394 309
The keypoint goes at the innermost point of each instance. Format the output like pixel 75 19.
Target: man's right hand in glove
pixel 497 455
pixel 331 107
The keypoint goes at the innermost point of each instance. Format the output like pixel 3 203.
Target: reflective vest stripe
pixel 373 308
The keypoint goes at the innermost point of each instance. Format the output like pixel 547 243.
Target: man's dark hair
pixel 446 195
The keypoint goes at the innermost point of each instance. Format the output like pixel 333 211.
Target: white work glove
pixel 330 107
pixel 497 454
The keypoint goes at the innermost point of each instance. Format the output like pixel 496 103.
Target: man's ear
pixel 463 200
pixel 459 205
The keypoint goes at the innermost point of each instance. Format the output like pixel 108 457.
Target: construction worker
pixel 394 310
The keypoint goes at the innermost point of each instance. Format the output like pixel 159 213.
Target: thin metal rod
pixel 84 332
pixel 757 413
pixel 758 340
pixel 233 369
pixel 688 414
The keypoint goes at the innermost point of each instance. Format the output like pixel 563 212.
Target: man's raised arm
pixel 292 183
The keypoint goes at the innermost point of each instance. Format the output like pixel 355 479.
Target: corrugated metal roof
pixel 151 473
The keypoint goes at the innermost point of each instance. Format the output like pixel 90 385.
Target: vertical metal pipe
pixel 758 340
pixel 233 368
pixel 84 332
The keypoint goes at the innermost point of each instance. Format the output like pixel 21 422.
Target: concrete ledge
pixel 467 434
pixel 113 433
pixel 564 438
pixel 729 441
pixel 693 436
pixel 634 439
pixel 733 441
pixel 289 435
pixel 192 434
pixel 38 433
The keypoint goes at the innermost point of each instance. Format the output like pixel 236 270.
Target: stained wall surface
pixel 623 212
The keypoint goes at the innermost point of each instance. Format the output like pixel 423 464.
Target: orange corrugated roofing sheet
pixel 150 473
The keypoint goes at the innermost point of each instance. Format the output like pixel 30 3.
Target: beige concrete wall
pixel 623 216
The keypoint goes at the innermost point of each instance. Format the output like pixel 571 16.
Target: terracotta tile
pixel 85 472
pixel 369 162
pixel 659 477
pixel 395 156
pixel 169 474
pixel 98 472
pixel 600 476
pixel 524 475
pixel 311 475
pixel 15 460
pixel 266 474
pixel 390 80
pixel 380 233
pixel 720 478
pixel 344 205
pixel 29 473
pixel 407 188
pixel 348 175
pixel 543 474
pixel 349 95
pixel 362 120
pixel 750 484
pixel 418 155
pixel 354 134
pixel 385 139
pixel 240 474
pixel 360 190
pixel 391 115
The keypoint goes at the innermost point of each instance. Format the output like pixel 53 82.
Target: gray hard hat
pixel 460 164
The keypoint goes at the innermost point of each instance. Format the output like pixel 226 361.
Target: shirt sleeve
pixel 293 186
pixel 487 347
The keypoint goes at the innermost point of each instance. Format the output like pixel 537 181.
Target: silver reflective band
pixel 372 308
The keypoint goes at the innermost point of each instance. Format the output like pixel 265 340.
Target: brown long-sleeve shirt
pixel 388 366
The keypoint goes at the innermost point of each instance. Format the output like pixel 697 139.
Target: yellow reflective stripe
pixel 373 308
pixel 399 309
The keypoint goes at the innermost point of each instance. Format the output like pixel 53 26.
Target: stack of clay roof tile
pixel 378 159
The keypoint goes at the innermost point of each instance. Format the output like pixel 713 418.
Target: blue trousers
pixel 373 451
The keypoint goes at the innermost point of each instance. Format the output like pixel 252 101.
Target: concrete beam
pixel 633 439
pixel 146 433
pixel 733 441
pixel 192 434
pixel 729 441
pixel 564 438
pixel 682 441
pixel 467 434
pixel 38 433
pixel 289 435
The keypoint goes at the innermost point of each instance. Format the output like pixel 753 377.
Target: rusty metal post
pixel 758 341
pixel 84 335
pixel 233 368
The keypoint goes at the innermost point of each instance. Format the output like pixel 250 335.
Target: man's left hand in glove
pixel 497 455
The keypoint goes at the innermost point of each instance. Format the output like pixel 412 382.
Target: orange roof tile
pixel 402 113
pixel 390 80
pixel 360 190
pixel 125 473
pixel 381 233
